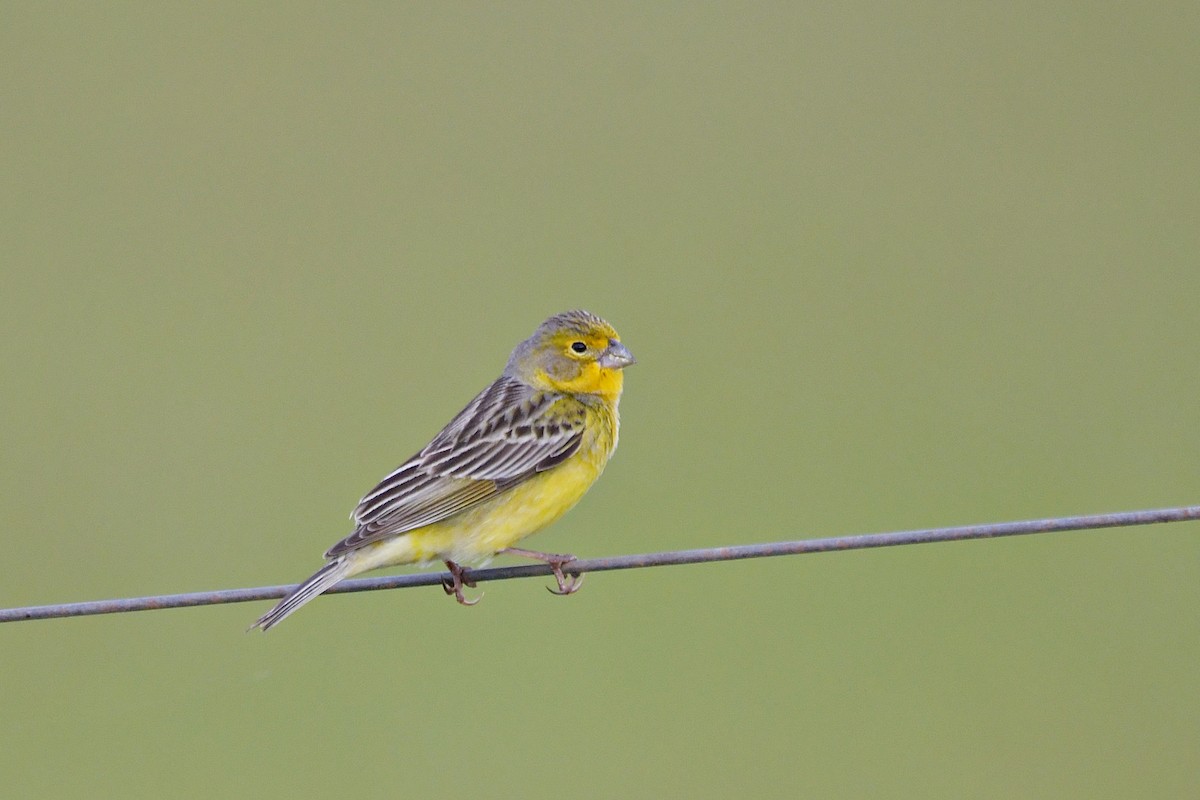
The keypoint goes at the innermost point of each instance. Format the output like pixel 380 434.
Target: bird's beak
pixel 616 356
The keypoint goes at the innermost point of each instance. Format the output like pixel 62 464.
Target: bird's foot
pixel 456 583
pixel 567 584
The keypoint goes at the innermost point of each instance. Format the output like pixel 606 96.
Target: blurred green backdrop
pixel 884 267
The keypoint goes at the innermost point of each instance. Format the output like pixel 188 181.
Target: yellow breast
pixel 475 535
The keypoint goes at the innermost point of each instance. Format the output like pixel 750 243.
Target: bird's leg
pixel 456 584
pixel 556 561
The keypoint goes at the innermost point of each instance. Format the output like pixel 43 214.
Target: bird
pixel 518 457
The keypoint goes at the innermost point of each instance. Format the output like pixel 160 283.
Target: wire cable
pixel 730 553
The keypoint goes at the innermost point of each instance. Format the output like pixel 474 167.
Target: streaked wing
pixel 507 434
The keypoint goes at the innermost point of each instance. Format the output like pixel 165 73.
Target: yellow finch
pixel 517 458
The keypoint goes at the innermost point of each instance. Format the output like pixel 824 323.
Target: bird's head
pixel 575 352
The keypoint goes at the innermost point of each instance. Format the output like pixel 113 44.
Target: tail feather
pixel 322 579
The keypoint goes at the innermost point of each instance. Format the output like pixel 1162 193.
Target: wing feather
pixel 506 435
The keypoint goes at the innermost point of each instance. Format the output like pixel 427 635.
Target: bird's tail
pixel 322 579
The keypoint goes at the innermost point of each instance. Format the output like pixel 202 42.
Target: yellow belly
pixel 475 535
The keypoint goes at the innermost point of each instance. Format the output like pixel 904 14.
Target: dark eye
pixel 579 347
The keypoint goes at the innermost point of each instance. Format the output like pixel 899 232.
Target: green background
pixel 885 266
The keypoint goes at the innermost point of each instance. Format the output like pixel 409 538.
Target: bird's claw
pixel 456 583
pixel 566 584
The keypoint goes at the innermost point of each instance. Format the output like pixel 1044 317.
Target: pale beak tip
pixel 617 356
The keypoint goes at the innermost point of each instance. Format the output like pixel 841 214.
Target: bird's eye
pixel 579 347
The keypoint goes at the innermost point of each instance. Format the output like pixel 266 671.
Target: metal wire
pixel 731 553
